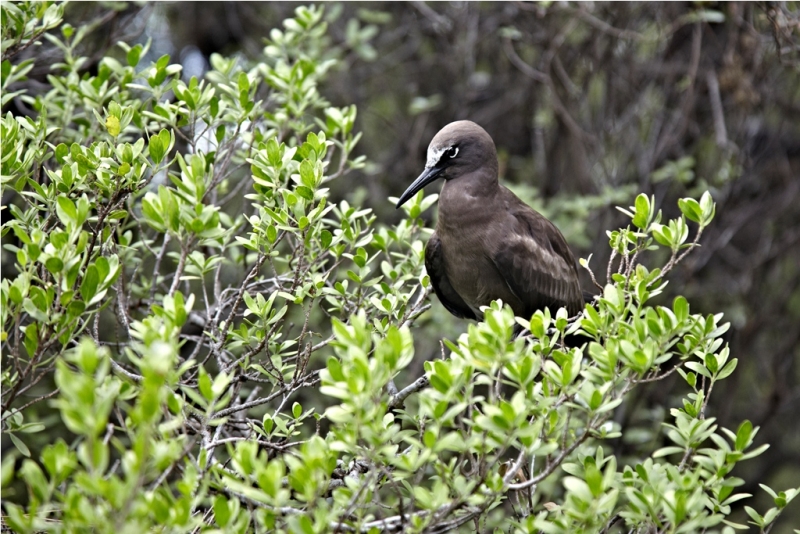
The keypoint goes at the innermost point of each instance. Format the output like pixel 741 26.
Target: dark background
pixel 588 104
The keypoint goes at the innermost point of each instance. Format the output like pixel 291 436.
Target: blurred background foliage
pixel 588 104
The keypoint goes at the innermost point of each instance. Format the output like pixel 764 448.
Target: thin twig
pixel 398 398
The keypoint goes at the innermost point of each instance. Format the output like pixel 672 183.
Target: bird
pixel 488 244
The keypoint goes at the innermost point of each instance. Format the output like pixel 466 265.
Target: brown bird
pixel 488 244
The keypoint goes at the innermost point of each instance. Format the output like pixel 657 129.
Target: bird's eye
pixel 452 152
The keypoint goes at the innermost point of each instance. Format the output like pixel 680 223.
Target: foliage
pixel 221 340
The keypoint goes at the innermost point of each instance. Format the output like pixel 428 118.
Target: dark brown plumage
pixel 488 244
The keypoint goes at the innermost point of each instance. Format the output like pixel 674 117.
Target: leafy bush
pixel 221 341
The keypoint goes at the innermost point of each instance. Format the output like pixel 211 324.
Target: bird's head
pixel 460 148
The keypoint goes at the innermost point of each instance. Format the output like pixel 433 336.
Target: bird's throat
pixel 467 200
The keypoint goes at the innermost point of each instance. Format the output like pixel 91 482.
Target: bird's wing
pixel 434 264
pixel 537 264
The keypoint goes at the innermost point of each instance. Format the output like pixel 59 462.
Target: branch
pixel 12 411
pixel 517 61
pixel 720 132
pixel 398 398
pixel 314 377
pixel 181 265
pixel 675 259
pixel 550 467
pixel 603 26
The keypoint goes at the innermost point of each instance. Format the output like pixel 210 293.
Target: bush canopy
pixel 196 337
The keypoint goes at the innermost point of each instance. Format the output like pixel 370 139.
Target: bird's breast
pixel 467 245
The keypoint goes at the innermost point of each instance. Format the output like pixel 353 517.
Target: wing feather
pixel 434 264
pixel 538 265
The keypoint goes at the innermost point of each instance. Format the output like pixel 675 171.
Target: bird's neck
pixel 467 198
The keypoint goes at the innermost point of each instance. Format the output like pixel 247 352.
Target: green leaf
pixel 596 400
pixel 21 447
pixel 113 125
pixel 642 214
pixel 325 238
pixel 9 459
pixel 267 423
pixel 222 513
pixel 690 209
pixel 305 192
pixel 754 515
pixel 243 82
pixel 89 283
pixel 666 451
pixel 133 55
pixel 307 175
pixel 272 233
pixel 708 208
pixel 594 478
pixel 34 478
pixel 76 308
pixel 680 307
pixel 204 384
pixel 429 439
pixel 54 264
pixel 728 369
pixel 162 62
pixel 166 139
pixel 698 368
pixel 743 435
pixel 711 363
pixel 156 148
pixel 66 211
pixel 62 151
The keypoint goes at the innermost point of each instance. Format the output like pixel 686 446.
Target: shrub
pixel 221 341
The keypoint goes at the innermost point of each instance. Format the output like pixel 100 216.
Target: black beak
pixel 428 175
